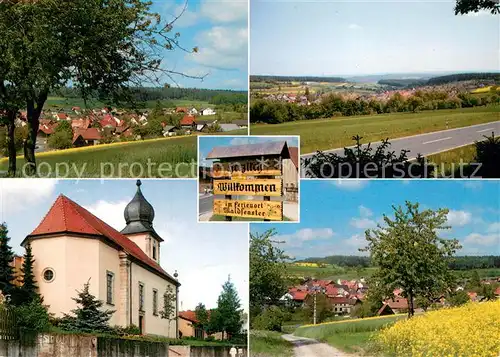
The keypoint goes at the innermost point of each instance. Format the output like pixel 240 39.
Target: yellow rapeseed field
pixel 472 330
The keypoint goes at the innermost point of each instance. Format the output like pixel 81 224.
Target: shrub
pixel 33 316
pixel 270 319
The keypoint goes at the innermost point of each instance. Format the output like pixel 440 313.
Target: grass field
pixel 269 344
pixel 323 134
pixel 349 335
pixel 447 160
pixel 127 159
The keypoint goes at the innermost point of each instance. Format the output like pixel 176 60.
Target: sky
pixel 194 250
pixel 335 214
pixel 369 37
pixel 207 143
pixel 219 28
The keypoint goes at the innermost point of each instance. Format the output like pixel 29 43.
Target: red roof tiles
pixel 66 216
pixel 294 155
pixel 187 120
pixel 188 315
pixel 87 134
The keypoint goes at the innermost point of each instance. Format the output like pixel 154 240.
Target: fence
pixel 8 329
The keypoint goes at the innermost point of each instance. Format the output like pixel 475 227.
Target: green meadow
pixel 324 134
pixel 269 344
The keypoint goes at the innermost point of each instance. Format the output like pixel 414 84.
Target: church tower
pixel 139 215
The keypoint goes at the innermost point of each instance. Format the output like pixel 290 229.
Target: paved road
pixel 306 347
pixel 432 143
pixel 206 204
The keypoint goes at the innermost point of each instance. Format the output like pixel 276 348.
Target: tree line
pixel 296 79
pixel 463 77
pixel 465 262
pixel 334 105
pixel 143 94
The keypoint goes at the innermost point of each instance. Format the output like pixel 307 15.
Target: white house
pixel 208 111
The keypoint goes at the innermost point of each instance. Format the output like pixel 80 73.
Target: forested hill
pixel 296 79
pixel 463 77
pixel 455 263
pixel 213 96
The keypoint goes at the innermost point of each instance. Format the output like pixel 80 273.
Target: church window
pixel 141 297
pixel 155 302
pixel 109 287
pixel 154 250
pixel 48 275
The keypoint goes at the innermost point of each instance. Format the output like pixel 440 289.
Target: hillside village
pixel 105 125
pixel 345 296
pixel 360 91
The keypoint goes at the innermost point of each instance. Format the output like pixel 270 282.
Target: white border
pixel 285 137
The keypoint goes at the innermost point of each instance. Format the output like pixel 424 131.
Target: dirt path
pixel 306 347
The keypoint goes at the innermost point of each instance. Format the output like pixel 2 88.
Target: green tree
pixel 88 316
pixel 323 307
pixel 6 257
pixel 268 274
pixel 475 279
pixel 227 318
pixel 169 306
pixel 28 291
pixel 458 298
pixel 464 7
pixel 46 44
pixel 488 291
pixel 202 316
pixel 423 302
pixel 409 254
pixel 62 137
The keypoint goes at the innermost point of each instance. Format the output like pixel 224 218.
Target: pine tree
pixel 29 287
pixel 87 316
pixel 6 257
pixel 227 318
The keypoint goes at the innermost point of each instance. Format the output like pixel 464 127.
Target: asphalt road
pixel 206 204
pixel 306 347
pixel 431 143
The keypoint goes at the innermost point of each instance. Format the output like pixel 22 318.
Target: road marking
pixel 435 141
pixel 480 131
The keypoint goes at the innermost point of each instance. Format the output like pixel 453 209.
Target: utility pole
pixel 314 318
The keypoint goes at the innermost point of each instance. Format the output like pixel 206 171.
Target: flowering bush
pixel 469 330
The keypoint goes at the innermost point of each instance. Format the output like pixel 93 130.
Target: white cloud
pixel 225 11
pixel 363 223
pixel 484 239
pixel 18 194
pixel 222 48
pixel 351 184
pixel 256 140
pixel 110 212
pixel 365 211
pixel 357 241
pixel 494 227
pixel 459 218
pixel 355 27
pixel 298 238
pixel 186 19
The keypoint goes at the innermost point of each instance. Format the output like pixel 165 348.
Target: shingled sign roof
pixel 250 150
pixel 66 216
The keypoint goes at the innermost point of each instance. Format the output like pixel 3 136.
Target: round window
pixel 48 275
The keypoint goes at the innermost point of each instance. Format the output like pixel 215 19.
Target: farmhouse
pixel 71 247
pixel 86 137
pixel 207 111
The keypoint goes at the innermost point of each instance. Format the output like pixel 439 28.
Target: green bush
pixel 60 140
pixel 271 319
pixel 33 316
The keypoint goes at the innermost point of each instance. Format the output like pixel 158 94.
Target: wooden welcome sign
pixel 249 170
pixel 271 210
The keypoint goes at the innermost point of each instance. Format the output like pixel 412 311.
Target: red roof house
pixel 82 137
pixel 187 120
pixel 181 110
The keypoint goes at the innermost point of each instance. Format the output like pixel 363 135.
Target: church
pixel 71 246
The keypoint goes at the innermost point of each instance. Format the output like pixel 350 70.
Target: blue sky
pixel 190 248
pixel 207 143
pixel 219 28
pixel 335 214
pixel 369 37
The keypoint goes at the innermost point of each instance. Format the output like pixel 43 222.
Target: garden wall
pixel 55 345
